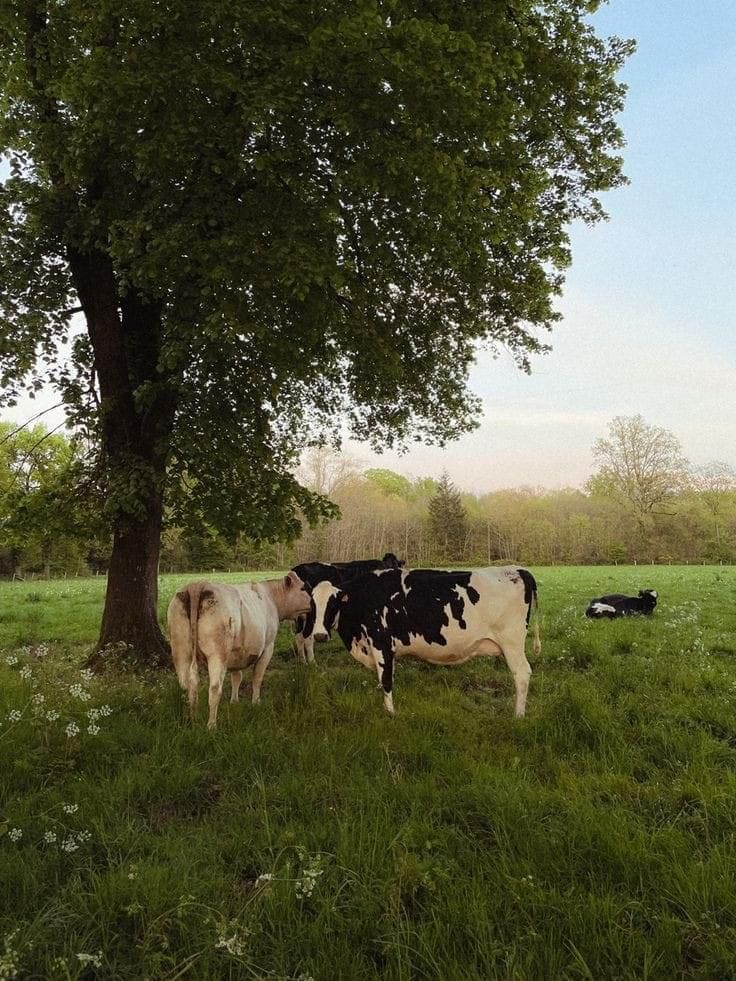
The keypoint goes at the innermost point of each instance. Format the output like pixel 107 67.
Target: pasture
pixel 314 837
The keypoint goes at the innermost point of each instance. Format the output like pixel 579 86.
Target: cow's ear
pixel 288 580
pixel 344 597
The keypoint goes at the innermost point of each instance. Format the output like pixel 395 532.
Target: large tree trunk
pixel 125 332
pixel 131 601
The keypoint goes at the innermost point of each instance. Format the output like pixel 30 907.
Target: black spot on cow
pixel 390 611
pixel 530 590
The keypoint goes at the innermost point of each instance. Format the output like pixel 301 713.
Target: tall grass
pixel 314 836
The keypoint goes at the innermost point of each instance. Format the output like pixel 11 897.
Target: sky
pixel 649 306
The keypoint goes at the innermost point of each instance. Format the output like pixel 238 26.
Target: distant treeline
pixel 533 526
pixel 685 515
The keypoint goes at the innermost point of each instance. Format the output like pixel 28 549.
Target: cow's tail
pixel 537 641
pixel 532 603
pixel 191 597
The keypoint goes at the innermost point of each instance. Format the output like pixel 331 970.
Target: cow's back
pixel 259 620
pixel 478 606
pixel 237 616
pixel 435 614
pixel 315 572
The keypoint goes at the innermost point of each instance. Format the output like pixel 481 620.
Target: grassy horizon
pixel 315 837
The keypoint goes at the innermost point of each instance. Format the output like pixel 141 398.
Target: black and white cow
pixel 618 605
pixel 441 617
pixel 336 573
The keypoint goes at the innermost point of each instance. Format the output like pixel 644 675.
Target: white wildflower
pixel 52 716
pixel 80 692
pixel 304 886
pixel 70 808
pixel 263 878
pixel 93 715
pixel 15 834
pixel 93 729
pixel 9 959
pixel 133 872
pixel 94 959
pixel 69 844
pixel 42 650
pixel 38 698
pixel 83 836
pixel 87 673
pixel 72 730
pixel 49 837
pixel 11 659
pixel 234 945
pixel 15 716
pixel 105 710
pixel 26 672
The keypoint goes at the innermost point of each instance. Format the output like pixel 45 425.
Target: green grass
pixel 594 839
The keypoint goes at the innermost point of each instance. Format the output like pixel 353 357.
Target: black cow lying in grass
pixel 618 605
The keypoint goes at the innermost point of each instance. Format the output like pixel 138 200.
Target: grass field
pixel 316 837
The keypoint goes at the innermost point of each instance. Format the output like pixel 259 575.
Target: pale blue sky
pixel 650 303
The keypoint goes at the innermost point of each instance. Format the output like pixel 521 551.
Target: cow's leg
pixel 259 671
pixel 299 638
pixel 216 665
pixel 384 661
pixel 304 642
pixel 235 678
pixel 515 656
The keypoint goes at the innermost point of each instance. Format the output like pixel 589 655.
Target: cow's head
pixel 648 598
pixel 391 562
pixel 325 608
pixel 297 596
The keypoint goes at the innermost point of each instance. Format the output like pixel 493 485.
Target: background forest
pixel 643 503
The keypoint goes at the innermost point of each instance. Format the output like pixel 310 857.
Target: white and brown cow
pixel 229 628
pixel 441 617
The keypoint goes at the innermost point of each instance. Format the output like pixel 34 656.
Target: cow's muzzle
pixel 321 638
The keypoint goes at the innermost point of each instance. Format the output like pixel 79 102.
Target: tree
pixel 323 468
pixel 715 486
pixel 276 216
pixel 389 482
pixel 42 509
pixel 448 520
pixel 641 465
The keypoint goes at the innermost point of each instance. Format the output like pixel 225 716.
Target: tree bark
pixel 130 617
pixel 126 337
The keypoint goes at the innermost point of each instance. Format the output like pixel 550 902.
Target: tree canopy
pixel 640 462
pixel 281 217
pixel 42 510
